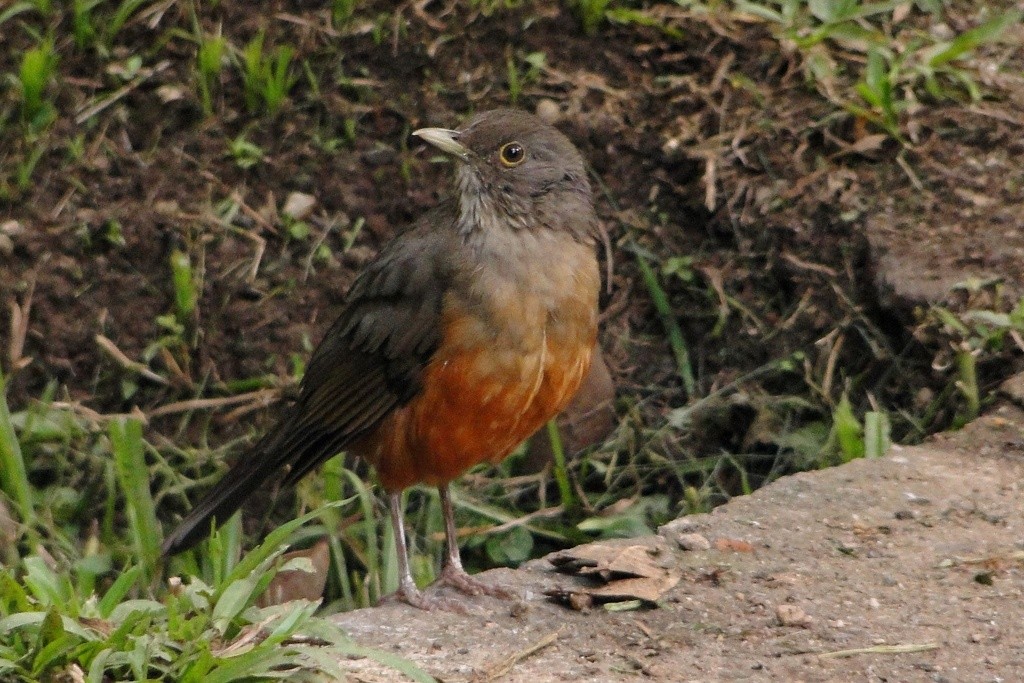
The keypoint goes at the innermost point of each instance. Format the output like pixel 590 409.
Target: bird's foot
pixel 414 597
pixel 457 578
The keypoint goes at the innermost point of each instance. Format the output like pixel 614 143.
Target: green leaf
pixel 97 669
pixel 235 598
pixel 45 584
pixel 1001 321
pixel 128 610
pixel 185 296
pixel 296 614
pixel 511 547
pixel 848 431
pixel 13 598
pixel 274 542
pixel 616 526
pixel 56 652
pixel 947 318
pixel 33 619
pixel 115 594
pixel 943 53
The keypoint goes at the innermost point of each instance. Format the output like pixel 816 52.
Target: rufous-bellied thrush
pixel 468 332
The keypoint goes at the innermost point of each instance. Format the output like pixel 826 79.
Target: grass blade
pixel 133 478
pixel 668 320
pixel 876 434
pixel 13 475
pixel 568 500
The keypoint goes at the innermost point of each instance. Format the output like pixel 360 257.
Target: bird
pixel 469 330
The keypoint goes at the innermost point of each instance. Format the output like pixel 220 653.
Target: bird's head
pixel 516 169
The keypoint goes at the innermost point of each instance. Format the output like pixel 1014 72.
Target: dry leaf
pixel 626 573
pixel 303 579
pixel 733 545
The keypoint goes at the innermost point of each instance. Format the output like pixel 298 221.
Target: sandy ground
pixel 905 568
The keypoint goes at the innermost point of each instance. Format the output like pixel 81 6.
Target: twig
pixel 505 665
pixel 97 418
pixel 126 362
pixel 19 329
pixel 92 110
pixel 260 396
pixel 914 180
pixel 881 650
pixel 553 511
pixel 1016 556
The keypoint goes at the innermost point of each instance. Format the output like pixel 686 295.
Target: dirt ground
pixel 705 140
pixel 905 568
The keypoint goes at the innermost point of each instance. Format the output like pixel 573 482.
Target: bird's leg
pixel 453 574
pixel 407 590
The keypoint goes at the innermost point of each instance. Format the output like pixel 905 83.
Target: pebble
pixel 791 615
pixel 548 111
pixel 693 541
pixel 298 205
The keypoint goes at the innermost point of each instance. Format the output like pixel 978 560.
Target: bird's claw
pixel 457 578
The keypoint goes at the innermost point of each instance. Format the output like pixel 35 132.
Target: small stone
pixel 1013 388
pixel 548 111
pixel 167 207
pixel 580 602
pixel 905 514
pixel 6 245
pixel 380 155
pixel 682 525
pixel 298 205
pixel 11 228
pixel 791 615
pixel 693 541
pixel 170 93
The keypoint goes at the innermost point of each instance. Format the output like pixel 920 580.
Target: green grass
pixel 267 75
pixel 53 623
pixel 209 63
pixel 13 475
pixel 37 70
pixel 105 608
pixel 900 61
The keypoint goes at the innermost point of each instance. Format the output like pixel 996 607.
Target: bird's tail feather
pixel 228 494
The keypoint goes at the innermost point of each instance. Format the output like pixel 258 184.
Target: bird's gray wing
pixel 369 363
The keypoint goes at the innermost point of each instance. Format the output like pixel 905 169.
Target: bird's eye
pixel 512 154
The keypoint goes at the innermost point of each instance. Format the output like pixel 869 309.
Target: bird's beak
pixel 445 140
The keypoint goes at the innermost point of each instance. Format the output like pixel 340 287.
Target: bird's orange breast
pixel 496 378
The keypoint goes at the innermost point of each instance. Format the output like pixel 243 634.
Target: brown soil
pixel 822 576
pixel 782 215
